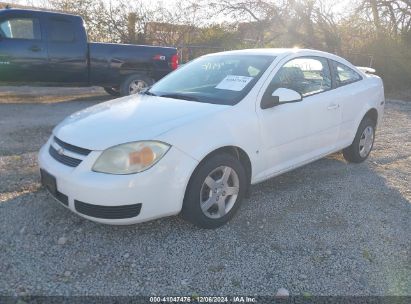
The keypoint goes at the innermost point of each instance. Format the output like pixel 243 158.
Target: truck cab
pixel 52 49
pixel 41 48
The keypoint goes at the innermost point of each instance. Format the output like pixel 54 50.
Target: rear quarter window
pixel 344 75
pixel 61 31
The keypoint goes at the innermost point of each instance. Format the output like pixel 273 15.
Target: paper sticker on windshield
pixel 234 83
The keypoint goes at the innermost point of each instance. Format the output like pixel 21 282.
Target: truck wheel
pixel 215 191
pixel 112 91
pixel 134 84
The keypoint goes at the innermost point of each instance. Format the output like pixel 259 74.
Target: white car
pixel 195 141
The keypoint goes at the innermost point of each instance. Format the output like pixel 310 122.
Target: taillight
pixel 174 62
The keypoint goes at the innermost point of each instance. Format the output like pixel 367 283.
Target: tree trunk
pixel 131 26
pixel 376 17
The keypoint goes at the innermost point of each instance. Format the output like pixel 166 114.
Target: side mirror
pixel 269 101
pixel 287 95
pixel 280 96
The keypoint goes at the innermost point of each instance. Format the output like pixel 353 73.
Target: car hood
pixel 127 119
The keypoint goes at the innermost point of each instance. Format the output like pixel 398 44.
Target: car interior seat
pixel 290 78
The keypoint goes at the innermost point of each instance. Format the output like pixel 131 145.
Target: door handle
pixel 35 48
pixel 333 106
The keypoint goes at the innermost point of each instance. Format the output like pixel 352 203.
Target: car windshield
pixel 218 79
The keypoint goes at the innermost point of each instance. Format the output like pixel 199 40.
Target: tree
pixel 261 15
pixel 177 26
pixel 285 23
pixel 390 17
pixel 118 21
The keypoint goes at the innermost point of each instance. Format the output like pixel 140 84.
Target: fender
pixel 207 135
pixel 376 102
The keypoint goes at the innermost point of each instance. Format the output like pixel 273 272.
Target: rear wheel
pixel 215 191
pixel 363 142
pixel 134 84
pixel 112 91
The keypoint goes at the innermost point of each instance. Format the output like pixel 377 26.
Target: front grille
pixel 64 159
pixel 61 156
pixel 71 148
pixel 108 212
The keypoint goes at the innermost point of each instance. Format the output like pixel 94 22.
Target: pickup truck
pixel 51 49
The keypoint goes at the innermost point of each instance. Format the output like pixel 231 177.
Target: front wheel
pixel 363 142
pixel 215 191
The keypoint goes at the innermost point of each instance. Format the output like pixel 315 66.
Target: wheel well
pixel 372 114
pixel 137 73
pixel 237 152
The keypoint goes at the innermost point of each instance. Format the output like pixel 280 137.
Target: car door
pixel 67 50
pixel 353 95
pixel 297 132
pixel 23 52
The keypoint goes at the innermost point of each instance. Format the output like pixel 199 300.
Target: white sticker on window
pixel 234 83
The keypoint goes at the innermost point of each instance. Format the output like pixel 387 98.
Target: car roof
pixel 276 51
pixel 279 52
pixel 265 51
pixel 284 52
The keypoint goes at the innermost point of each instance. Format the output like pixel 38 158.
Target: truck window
pixel 20 28
pixel 61 31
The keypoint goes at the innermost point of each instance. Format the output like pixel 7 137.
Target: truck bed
pixel 108 61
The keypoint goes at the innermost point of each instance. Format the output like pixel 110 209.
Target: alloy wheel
pixel 136 86
pixel 219 192
pixel 366 141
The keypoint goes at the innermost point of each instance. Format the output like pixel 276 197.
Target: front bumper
pixel 156 192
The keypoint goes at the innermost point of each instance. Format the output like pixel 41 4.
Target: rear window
pixel 21 28
pixel 61 31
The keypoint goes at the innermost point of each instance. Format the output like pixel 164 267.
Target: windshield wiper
pixel 179 96
pixel 146 91
pixel 149 93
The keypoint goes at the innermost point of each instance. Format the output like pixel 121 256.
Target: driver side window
pixel 20 28
pixel 306 75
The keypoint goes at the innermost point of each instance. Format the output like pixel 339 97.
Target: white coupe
pixel 195 141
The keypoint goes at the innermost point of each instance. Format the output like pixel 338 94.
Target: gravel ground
pixel 329 228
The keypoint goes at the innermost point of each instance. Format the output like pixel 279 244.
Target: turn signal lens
pixel 143 157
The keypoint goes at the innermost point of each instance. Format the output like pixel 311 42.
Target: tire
pixel 112 91
pixel 221 205
pixel 363 142
pixel 141 81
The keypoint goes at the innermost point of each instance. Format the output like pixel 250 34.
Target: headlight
pixel 131 157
